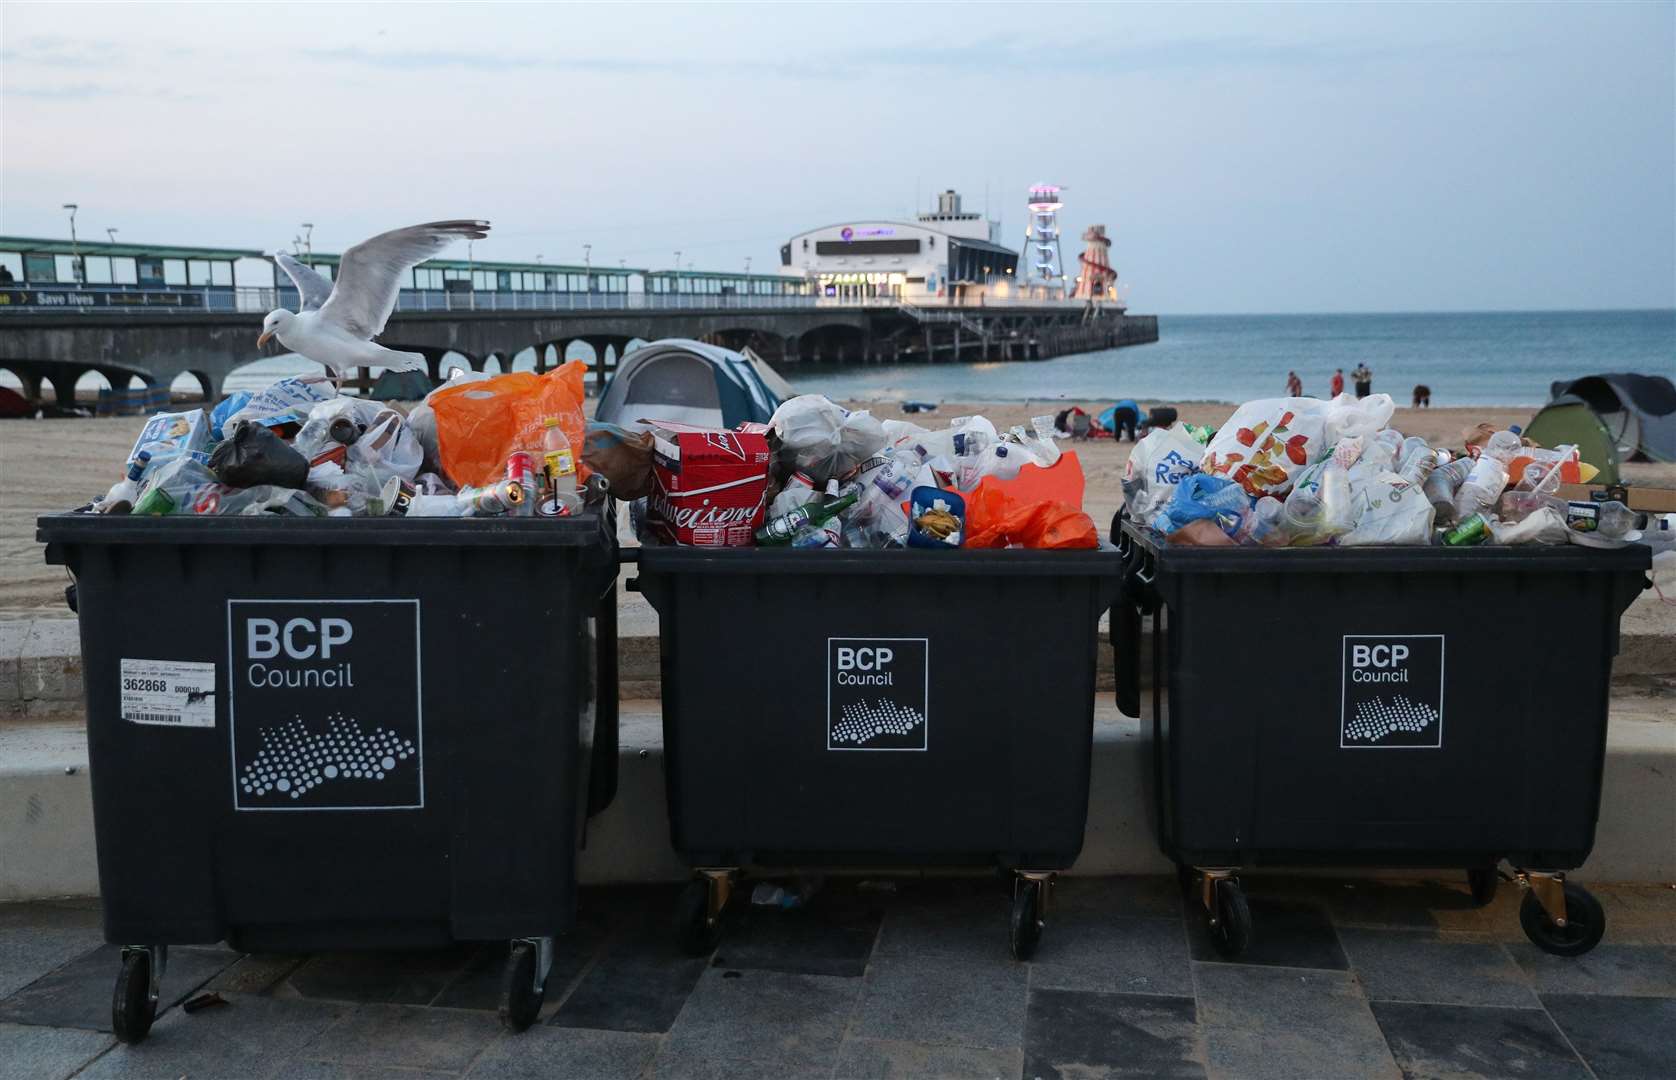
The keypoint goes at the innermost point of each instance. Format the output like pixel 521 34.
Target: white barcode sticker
pixel 173 693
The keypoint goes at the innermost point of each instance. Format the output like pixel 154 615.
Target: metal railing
pixel 99 300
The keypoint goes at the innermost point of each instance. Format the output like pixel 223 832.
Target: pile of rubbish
pixel 820 476
pixel 478 446
pixel 1302 472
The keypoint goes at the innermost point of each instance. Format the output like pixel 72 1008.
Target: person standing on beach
pixel 1338 383
pixel 1294 385
pixel 1363 379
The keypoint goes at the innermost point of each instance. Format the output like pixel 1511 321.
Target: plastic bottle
pixel 1610 520
pixel 169 487
pixel 122 495
pixel 1263 524
pixel 1414 448
pixel 1484 484
pixel 560 493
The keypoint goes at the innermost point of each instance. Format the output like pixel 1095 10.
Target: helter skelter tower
pixel 1096 280
pixel 1043 265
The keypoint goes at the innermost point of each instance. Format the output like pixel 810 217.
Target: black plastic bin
pixel 875 709
pixel 318 734
pixel 1377 707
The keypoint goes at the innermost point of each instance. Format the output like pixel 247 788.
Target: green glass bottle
pixel 779 532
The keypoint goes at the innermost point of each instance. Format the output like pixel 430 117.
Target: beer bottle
pixel 780 530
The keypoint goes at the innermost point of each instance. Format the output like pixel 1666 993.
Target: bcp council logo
pixel 1393 693
pixel 877 693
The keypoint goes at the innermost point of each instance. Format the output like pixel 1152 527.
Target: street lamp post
pixel 111 233
pixel 308 242
pixel 75 249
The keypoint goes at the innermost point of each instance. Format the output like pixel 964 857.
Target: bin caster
pixel 1483 881
pixel 134 1005
pixel 1227 915
pixel 1030 896
pixel 698 911
pixel 1558 916
pixel 524 983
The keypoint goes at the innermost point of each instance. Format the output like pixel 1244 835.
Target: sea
pixel 1466 358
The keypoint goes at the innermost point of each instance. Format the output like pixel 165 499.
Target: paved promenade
pixel 1345 978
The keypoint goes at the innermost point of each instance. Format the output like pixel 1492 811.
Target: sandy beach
pixel 50 465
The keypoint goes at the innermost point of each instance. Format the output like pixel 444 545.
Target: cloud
pixel 47 50
pixel 88 91
pixel 489 61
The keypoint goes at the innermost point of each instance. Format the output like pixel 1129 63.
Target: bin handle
pixel 628 555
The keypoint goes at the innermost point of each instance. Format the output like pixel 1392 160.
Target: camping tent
pixel 692 383
pixel 402 386
pixel 1610 418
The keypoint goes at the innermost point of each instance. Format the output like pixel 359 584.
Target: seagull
pixel 338 321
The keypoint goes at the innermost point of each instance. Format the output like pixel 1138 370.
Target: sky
pixel 1245 158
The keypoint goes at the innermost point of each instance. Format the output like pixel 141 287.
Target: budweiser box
pixel 709 488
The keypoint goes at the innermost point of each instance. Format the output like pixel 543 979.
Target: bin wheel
pixel 698 934
pixel 1483 881
pixel 1585 922
pixel 132 1009
pixel 520 998
pixel 1230 933
pixel 1026 923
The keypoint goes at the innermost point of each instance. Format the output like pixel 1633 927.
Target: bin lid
pixel 1385 558
pixel 591 528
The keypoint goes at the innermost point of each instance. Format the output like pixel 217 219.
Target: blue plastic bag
pixel 231 404
pixel 1202 496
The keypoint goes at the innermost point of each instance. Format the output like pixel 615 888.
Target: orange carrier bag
pixel 479 424
pixel 1040 508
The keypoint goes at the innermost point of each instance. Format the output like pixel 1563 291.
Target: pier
pixel 50 337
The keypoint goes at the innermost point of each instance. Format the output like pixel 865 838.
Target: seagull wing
pixel 312 289
pixel 369 274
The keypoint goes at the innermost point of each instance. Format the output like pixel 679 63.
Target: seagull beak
pixel 267 336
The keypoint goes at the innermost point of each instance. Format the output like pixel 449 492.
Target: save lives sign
pixel 876 694
pixel 324 709
pixel 1392 693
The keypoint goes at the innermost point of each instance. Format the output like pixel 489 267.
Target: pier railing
pixel 95 300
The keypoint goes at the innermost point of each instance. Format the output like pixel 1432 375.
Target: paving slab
pixel 1416 965
pixel 1631 970
pixel 769 1024
pixel 387 977
pixel 821 939
pixel 44 1053
pixel 1284 933
pixel 941 1001
pixel 1618 1037
pixel 1265 1022
pixel 1083 950
pixel 250 1037
pixel 446 1040
pixel 639 982
pixel 885 1059
pixel 78 994
pixel 960 919
pixel 1491 1043
pixel 547 1053
pixel 1071 1035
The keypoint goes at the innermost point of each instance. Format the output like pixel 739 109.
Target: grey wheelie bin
pixel 903 708
pixel 314 734
pixel 1377 707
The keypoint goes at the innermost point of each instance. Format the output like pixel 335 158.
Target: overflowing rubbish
pixel 1300 472
pixel 486 446
pixel 821 476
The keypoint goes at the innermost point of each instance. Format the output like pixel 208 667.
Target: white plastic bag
pixel 381 440
pixel 822 438
pixel 287 401
pixel 1266 443
pixel 1389 510
pixel 1347 416
pixel 1156 465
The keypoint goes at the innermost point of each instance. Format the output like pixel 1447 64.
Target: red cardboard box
pixel 709 488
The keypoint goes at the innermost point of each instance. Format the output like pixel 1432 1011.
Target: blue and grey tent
pixel 692 383
pixel 1611 419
